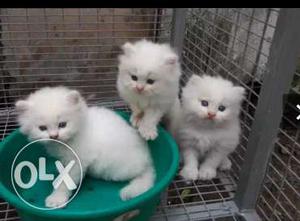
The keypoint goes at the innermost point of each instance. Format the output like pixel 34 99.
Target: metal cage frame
pixel 230 197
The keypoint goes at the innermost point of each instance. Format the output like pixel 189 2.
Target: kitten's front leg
pixel 149 122
pixel 208 169
pixel 190 167
pixel 60 196
pixel 225 164
pixel 136 115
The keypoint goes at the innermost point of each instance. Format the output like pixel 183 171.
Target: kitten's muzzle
pixel 139 89
pixel 53 136
pixel 211 115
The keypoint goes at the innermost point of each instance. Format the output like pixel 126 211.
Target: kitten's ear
pixel 239 91
pixel 74 97
pixel 171 60
pixel 194 79
pixel 22 105
pixel 128 48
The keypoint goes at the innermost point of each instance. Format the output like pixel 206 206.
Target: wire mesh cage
pixel 280 194
pixel 79 47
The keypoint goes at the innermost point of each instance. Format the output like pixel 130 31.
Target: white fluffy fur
pixel 107 146
pixel 199 137
pixel 148 60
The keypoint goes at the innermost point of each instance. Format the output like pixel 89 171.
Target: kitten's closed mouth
pixel 210 118
pixel 57 139
pixel 139 92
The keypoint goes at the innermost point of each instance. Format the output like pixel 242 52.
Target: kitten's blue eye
pixel 150 81
pixel 62 124
pixel 42 128
pixel 204 103
pixel 221 108
pixel 134 77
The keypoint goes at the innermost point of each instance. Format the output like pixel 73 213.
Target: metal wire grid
pixel 198 200
pixel 280 195
pixel 230 42
pixel 206 51
pixel 7 213
pixel 73 47
pixel 233 43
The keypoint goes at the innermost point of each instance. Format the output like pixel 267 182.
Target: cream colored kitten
pixel 209 125
pixel 107 146
pixel 148 81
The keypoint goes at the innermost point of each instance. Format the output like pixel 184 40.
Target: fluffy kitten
pixel 209 125
pixel 148 81
pixel 107 146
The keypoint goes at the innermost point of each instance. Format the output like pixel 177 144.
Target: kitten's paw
pixel 226 164
pixel 207 173
pixel 135 121
pixel 149 133
pixel 56 199
pixel 128 193
pixel 189 173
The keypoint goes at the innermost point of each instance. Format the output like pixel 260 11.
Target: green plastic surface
pixel 97 199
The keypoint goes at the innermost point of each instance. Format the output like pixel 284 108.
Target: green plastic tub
pixel 97 199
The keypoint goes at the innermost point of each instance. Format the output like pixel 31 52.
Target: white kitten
pixel 209 125
pixel 107 146
pixel 148 81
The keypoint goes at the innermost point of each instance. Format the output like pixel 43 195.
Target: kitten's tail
pixel 139 184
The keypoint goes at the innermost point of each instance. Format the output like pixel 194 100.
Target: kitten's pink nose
pixel 139 88
pixel 211 115
pixel 53 136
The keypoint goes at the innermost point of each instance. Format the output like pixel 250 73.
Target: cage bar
pixel 280 71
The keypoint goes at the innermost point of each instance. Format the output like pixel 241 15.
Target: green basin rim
pixel 131 204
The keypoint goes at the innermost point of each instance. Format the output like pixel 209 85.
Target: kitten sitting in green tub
pixel 107 146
